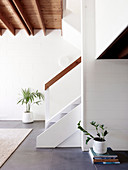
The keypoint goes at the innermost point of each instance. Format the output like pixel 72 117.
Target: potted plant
pixel 99 142
pixel 30 98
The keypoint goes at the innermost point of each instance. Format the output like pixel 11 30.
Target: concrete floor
pixel 27 157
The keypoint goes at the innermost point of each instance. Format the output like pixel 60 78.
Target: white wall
pixel 71 30
pixel 74 6
pixel 29 61
pixel 107 99
pixel 105 89
pixel 71 23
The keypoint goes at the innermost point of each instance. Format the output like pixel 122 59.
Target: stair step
pixel 60 116
pixel 49 124
pixel 63 114
pixel 73 106
pixel 78 101
pixel 52 123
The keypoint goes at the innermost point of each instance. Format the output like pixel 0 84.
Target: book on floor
pixel 107 163
pixel 108 158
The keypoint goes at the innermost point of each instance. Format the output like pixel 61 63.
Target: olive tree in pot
pixel 99 142
pixel 29 98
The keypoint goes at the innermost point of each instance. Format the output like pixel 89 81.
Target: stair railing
pixel 52 81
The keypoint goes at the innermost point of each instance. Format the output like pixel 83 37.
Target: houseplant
pixel 29 98
pixel 99 142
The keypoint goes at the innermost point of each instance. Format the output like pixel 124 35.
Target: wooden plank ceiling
pixel 30 15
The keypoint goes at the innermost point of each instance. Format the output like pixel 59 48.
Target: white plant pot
pixel 99 147
pixel 27 117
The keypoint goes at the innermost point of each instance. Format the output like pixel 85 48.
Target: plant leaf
pixel 105 132
pixel 102 127
pixel 98 134
pixel 83 130
pixel 93 123
pixel 19 101
pixel 87 140
pixel 79 123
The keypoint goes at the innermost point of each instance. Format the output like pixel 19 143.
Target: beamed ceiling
pixel 30 15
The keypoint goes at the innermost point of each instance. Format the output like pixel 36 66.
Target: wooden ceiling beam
pixel 61 16
pixel 0 32
pixel 7 24
pixel 18 15
pixel 23 15
pixel 41 19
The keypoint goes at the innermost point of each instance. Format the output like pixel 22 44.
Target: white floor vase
pixel 27 117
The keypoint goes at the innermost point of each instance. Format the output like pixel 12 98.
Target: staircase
pixel 61 129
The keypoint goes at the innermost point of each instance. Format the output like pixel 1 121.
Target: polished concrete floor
pixel 27 157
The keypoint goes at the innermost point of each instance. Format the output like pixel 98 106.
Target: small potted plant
pixel 30 98
pixel 99 142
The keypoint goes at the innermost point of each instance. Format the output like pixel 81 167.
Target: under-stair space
pixel 61 129
pixel 118 49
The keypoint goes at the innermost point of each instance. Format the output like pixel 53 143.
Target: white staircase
pixel 61 127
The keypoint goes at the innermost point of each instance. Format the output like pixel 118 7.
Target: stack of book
pixel 108 158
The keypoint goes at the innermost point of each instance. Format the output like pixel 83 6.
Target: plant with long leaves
pixel 100 131
pixel 28 98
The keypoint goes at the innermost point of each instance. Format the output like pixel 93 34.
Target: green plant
pixel 29 97
pixel 100 131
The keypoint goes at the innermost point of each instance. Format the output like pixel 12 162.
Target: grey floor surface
pixel 27 157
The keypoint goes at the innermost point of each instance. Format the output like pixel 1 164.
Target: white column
pixel 88 51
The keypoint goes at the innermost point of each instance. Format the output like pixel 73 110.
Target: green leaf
pixel 22 101
pixel 98 134
pixel 97 125
pixel 105 132
pixel 28 97
pixel 37 102
pixel 19 101
pixel 79 123
pixel 83 130
pixel 87 140
pixel 93 123
pixel 102 127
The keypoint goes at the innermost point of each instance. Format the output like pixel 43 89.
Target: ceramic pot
pixel 27 117
pixel 99 146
